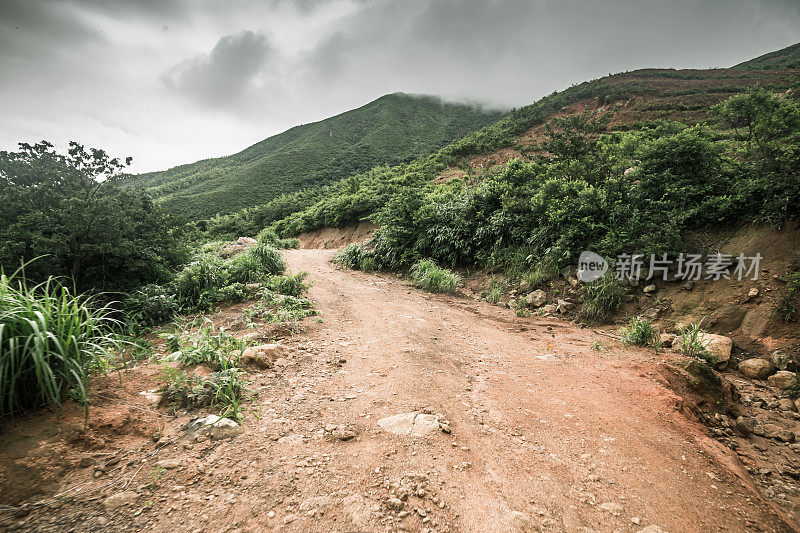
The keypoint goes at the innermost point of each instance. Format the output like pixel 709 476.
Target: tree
pixel 575 148
pixel 69 209
pixel 760 117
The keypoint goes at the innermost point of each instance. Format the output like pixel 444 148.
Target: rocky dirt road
pixel 546 431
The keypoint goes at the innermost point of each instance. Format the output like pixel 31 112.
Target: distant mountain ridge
pixel 393 129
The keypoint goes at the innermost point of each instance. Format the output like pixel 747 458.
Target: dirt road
pixel 546 431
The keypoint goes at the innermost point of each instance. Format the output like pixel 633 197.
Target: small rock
pixel 169 464
pixel 746 425
pixel 520 521
pixel 411 424
pixel 650 289
pixel 614 508
pixel 564 306
pixel 549 309
pixel 343 433
pixel 756 368
pixel 394 504
pixel 666 340
pixel 781 360
pixel 216 427
pixel 536 299
pixel 752 293
pixel 781 379
pixel 688 285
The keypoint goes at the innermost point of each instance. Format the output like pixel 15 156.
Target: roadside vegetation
pixel 586 188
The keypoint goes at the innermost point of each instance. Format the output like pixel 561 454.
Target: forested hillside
pixel 390 130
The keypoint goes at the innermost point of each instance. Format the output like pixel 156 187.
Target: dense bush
pixel 50 341
pixel 70 209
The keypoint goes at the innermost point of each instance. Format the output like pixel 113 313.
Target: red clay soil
pixel 548 433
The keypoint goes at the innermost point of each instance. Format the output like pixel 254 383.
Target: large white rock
pixel 217 427
pixel 412 424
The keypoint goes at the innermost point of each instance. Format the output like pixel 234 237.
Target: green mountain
pixel 393 129
pixel 788 57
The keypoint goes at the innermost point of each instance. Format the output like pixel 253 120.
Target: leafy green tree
pixel 574 147
pixel 760 117
pixel 69 209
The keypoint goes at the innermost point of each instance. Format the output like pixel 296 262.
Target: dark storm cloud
pixel 170 81
pixel 224 75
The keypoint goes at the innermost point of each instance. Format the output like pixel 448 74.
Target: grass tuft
pixel 427 275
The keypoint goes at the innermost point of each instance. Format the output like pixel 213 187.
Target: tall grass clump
pixel 693 343
pixel 269 260
pixel 640 332
pixel 427 275
pixel 50 341
pixel 603 297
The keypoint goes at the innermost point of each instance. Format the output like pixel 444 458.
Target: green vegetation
pixel 222 388
pixel 50 340
pixel 693 345
pixel 603 297
pixel 639 191
pixel 788 57
pixel 639 332
pixel 787 305
pixel 429 276
pixel 69 211
pixel 393 129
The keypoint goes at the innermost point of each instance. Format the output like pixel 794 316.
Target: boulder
pixel 727 318
pixel 781 379
pixel 746 425
pixel 719 346
pixel 756 368
pixel 536 299
pixel 549 308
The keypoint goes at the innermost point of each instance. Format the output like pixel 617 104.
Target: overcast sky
pixel 174 81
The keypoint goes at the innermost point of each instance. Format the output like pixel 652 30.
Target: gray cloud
pixel 172 81
pixel 226 73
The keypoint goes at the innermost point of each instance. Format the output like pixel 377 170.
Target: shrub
pixel 206 272
pixel 603 297
pixel 150 306
pixel 222 389
pixel 495 291
pixel 428 276
pixel 290 285
pixel 275 307
pixel 350 256
pixel 268 236
pixel 639 332
pixel 204 346
pixel 787 306
pixel 50 341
